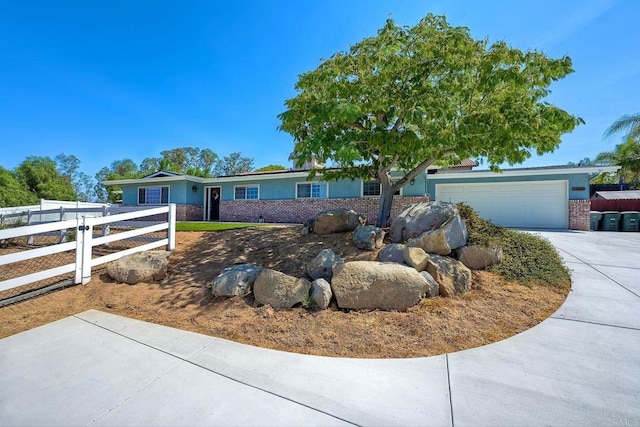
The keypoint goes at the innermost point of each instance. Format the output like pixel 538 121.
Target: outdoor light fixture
pixel 413 181
pixel 194 188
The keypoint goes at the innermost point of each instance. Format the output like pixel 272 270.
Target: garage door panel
pixel 515 204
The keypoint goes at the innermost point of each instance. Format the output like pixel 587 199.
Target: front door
pixel 212 203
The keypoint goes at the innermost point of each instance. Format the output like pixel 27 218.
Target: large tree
pixel 188 160
pixel 233 164
pixel 625 155
pixel 628 125
pixel 410 97
pixel 69 166
pixel 41 176
pixel 119 169
pixel 13 192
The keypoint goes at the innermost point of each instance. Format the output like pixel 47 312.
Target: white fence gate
pixel 129 226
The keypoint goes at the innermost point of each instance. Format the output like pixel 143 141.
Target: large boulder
pixel 416 219
pixel 443 240
pixel 322 265
pixel 452 276
pixel 321 293
pixel 433 289
pixel 336 221
pixel 416 258
pixel 368 237
pixel 393 252
pixel 235 281
pixel 140 267
pixel 280 290
pixel 377 285
pixel 479 257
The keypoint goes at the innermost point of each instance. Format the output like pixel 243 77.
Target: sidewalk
pixel 579 367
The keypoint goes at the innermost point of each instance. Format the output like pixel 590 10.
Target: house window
pixel 246 192
pixel 153 195
pixel 311 190
pixel 374 189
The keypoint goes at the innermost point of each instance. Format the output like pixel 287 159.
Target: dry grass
pixel 493 310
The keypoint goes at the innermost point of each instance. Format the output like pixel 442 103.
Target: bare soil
pixel 493 310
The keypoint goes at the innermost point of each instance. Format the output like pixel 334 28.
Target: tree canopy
pixel 233 164
pixel 270 168
pixel 412 96
pixel 41 177
pixel 13 192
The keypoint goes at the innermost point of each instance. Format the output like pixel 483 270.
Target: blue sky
pixel 109 80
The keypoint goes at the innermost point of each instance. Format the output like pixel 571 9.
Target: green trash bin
pixel 630 221
pixel 610 221
pixel 596 217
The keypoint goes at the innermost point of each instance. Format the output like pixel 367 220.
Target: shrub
pixel 527 258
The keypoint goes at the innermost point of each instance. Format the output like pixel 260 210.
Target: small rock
pixel 433 289
pixel 304 231
pixel 452 276
pixel 416 258
pixel 235 281
pixel 393 252
pixel 280 290
pixel 322 265
pixel 321 293
pixel 451 235
pixel 479 257
pixel 140 267
pixel 368 237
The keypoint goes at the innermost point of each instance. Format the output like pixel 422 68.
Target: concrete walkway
pixel 579 367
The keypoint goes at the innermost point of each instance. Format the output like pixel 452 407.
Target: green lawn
pixel 214 226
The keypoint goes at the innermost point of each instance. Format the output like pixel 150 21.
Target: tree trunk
pixel 384 208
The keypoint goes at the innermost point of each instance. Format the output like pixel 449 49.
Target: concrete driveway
pixel 579 367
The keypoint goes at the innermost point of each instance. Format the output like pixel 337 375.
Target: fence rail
pixel 619 205
pixel 21 264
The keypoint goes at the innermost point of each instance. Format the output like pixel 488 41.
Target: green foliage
pixel 13 192
pixel 625 155
pixel 270 168
pixel 41 177
pixel 119 169
pixel 628 125
pixel 527 258
pixel 409 97
pixel 214 226
pixel 233 164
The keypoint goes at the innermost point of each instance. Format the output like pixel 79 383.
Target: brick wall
pixel 296 211
pixel 579 214
pixel 189 212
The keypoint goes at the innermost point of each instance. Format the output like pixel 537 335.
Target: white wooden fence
pixel 85 242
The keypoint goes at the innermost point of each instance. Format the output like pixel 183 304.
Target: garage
pixel 524 204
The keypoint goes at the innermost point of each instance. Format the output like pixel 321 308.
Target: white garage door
pixel 538 204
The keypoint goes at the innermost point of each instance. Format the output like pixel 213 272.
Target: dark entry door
pixel 213 198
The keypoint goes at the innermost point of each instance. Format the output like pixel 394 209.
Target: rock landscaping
pixel 423 266
pixel 140 267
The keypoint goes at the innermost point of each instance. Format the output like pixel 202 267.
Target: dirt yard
pixel 493 310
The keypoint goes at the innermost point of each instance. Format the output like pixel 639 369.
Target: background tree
pixel 628 125
pixel 186 160
pixel 409 97
pixel 625 155
pixel 41 177
pixel 119 169
pixel 233 164
pixel 84 185
pixel 270 168
pixel 13 192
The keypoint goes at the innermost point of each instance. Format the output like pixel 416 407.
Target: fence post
pixel 86 230
pixel 105 227
pixel 171 231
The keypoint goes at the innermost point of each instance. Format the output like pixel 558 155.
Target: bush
pixel 527 258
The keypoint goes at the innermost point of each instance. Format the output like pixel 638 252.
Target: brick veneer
pixel 296 211
pixel 579 214
pixel 189 212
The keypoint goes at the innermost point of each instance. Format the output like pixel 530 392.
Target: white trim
pixel 147 180
pixel 245 194
pixel 145 195
pixel 522 172
pixel 311 189
pixel 206 209
pixel 166 174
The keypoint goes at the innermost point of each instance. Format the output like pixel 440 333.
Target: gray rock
pixel 321 293
pixel 416 219
pixel 479 257
pixel 322 265
pixel 140 267
pixel 368 237
pixel 235 281
pixel 433 289
pixel 377 285
pixel 393 252
pixel 443 240
pixel 335 221
pixel 416 258
pixel 452 276
pixel 280 290
pixel 304 231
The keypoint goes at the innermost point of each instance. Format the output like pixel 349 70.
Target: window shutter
pixel 141 196
pixel 164 198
